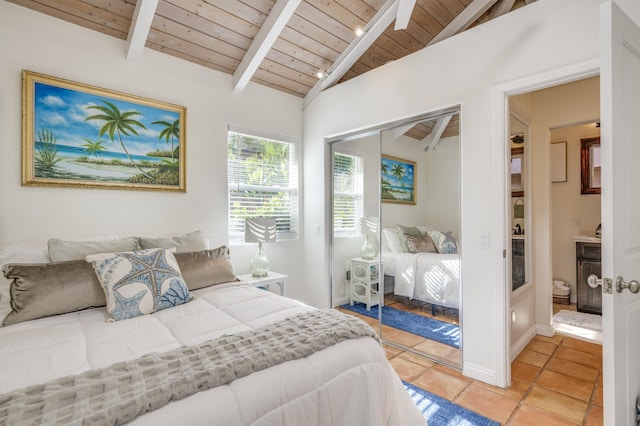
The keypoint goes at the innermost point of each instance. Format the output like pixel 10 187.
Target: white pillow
pixel 193 241
pixel 391 240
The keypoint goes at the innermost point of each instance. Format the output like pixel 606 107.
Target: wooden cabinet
pixel 588 260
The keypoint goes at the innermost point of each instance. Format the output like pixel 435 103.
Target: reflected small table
pixel 365 282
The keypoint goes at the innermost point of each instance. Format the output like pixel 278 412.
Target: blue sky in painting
pixel 63 111
pixel 407 177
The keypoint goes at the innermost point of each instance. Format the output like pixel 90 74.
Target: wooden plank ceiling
pixel 217 33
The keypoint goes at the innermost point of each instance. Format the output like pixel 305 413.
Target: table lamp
pixel 259 230
pixel 368 226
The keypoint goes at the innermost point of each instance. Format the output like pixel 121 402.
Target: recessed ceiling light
pixel 359 31
pixel 320 74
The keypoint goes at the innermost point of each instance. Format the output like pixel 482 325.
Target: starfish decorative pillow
pixel 139 282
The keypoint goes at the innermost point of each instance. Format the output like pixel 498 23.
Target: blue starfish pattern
pixel 150 269
pixel 127 307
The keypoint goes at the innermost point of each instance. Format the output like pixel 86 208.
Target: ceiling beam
pixel 396 132
pixel 374 28
pixel 405 7
pixel 261 44
pixel 140 26
pixel 461 22
pixel 430 142
pixel 501 7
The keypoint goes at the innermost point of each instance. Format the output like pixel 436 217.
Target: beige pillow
pixel 44 289
pixel 414 241
pixel 60 250
pixel 206 268
pixel 194 241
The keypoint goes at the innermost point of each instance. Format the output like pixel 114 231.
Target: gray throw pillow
pixel 194 241
pixel 60 250
pixel 45 289
pixel 206 268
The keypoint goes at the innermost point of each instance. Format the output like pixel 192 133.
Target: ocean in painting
pixel 69 166
pixel 77 152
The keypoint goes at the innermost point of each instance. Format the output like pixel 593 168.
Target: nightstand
pixel 365 282
pixel 270 279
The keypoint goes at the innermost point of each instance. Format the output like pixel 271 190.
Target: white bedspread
pixel 429 277
pixel 346 384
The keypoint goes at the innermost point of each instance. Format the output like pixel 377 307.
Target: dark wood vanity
pixel 588 261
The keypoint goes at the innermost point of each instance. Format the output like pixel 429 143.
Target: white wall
pixel 32 41
pixel 572 213
pixel 465 70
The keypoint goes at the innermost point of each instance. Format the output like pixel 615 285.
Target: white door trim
pixel 501 93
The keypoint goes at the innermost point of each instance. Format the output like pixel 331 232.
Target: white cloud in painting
pixel 53 101
pixel 55 120
pixel 149 133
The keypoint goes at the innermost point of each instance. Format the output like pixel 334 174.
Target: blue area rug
pixel 440 412
pixel 429 328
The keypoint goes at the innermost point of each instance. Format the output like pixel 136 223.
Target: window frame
pixel 358 196
pixel 236 237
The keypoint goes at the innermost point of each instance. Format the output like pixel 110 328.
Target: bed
pixel 331 383
pixel 427 276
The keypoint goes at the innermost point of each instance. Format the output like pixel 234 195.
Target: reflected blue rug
pixel 429 328
pixel 440 412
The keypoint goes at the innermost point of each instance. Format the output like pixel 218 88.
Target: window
pixel 348 185
pixel 263 181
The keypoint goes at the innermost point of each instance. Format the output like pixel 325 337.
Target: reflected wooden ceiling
pixel 303 37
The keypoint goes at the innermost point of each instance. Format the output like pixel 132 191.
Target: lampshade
pixel 259 230
pixel 368 226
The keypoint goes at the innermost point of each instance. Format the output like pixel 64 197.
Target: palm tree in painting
pixel 398 171
pixel 93 147
pixel 117 123
pixel 384 168
pixel 170 131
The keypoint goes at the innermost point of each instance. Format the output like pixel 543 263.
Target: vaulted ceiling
pixel 296 46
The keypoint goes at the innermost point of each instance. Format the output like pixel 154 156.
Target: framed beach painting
pixel 398 179
pixel 76 135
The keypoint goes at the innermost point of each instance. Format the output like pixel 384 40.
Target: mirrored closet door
pixel 396 232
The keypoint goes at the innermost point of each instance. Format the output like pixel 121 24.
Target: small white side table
pixel 270 279
pixel 365 282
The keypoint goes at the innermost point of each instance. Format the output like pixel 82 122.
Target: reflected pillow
pixel 391 241
pixel 414 241
pixel 444 241
pixel 139 282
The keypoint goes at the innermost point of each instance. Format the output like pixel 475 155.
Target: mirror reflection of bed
pixel 417 236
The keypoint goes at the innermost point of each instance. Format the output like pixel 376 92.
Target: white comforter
pixel 429 277
pixel 347 384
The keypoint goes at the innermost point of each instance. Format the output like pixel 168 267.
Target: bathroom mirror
pixel 590 165
pixel 412 286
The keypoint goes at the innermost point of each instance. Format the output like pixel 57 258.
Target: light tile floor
pixel 556 381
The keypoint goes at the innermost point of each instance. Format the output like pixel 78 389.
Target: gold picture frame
pixel 77 135
pixel 398 180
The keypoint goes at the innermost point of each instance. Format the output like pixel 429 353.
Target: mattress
pixel 428 277
pixel 345 384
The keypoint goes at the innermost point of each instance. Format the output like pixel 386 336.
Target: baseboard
pixel 341 301
pixel 522 342
pixel 479 373
pixel 545 330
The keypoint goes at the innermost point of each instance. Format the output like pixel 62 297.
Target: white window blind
pixel 263 181
pixel 348 182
